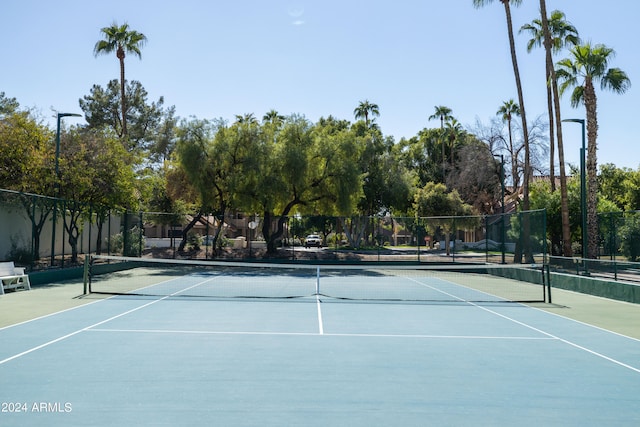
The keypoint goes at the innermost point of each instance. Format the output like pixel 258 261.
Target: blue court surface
pixel 142 360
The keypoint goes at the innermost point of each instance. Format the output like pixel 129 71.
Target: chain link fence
pixel 43 232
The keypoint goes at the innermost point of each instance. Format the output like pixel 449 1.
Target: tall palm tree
pixel 586 66
pixel 561 34
pixel 514 60
pixel 364 109
pixel 122 40
pixel 507 110
pixel 554 33
pixel 443 113
pixel 526 249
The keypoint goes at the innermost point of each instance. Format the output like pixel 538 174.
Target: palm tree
pixel 443 113
pixel 523 116
pixel 561 34
pixel 247 118
pixel 555 34
pixel 273 117
pixel 509 109
pixel 364 109
pixel 453 131
pixel 586 66
pixel 120 39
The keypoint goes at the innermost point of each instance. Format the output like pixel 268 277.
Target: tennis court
pixel 313 350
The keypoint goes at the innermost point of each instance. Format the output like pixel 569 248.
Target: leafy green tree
pixel 121 40
pixel 587 66
pixel 543 198
pixel 8 105
pixel 632 190
pixel 151 127
pixel 94 177
pixel 165 139
pixel 386 183
pixel 620 185
pixel 166 195
pixel 439 206
pixel 27 157
pixel 333 124
pixel 23 143
pixel 630 237
pixel 204 164
pixel 374 147
pixel 299 168
pixel 421 154
pixel 399 183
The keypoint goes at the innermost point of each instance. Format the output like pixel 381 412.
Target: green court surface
pixel 314 361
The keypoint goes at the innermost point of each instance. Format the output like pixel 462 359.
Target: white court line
pixel 578 346
pixel 533 328
pixel 320 322
pixel 321 330
pixel 48 343
pixel 318 302
pixel 44 316
pixel 196 332
pixel 84 305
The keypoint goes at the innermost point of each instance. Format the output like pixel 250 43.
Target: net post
pixel 548 270
pixel 85 275
pixel 317 280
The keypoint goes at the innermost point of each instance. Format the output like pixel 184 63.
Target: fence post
pixel 140 236
pixel 86 274
pixel 64 222
pixel 34 255
pixel 486 239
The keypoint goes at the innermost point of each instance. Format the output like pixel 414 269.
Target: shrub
pixel 135 240
pixel 630 238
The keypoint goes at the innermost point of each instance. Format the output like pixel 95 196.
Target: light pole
pixel 583 187
pixel 57 184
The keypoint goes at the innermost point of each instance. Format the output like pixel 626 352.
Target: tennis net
pixel 360 282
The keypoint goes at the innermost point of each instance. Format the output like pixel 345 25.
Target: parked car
pixel 313 240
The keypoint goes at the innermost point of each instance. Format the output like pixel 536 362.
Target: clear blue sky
pixel 221 58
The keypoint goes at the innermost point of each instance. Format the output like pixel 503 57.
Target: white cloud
pixel 296 12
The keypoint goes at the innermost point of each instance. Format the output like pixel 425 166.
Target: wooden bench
pixel 13 277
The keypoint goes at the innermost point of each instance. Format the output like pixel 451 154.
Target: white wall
pixel 15 230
